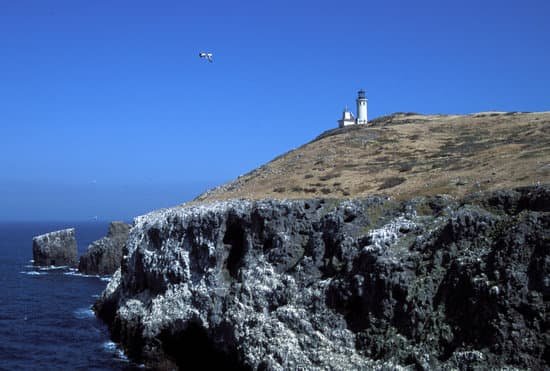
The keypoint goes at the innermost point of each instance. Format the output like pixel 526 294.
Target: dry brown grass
pixel 407 155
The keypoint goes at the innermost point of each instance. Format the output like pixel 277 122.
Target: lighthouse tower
pixel 361 107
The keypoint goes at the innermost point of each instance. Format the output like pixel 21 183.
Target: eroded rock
pixel 325 284
pixel 104 255
pixel 55 248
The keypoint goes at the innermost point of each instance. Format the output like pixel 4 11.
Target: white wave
pixel 95 296
pixel 33 273
pixel 120 354
pixel 31 261
pixel 113 348
pixel 82 313
pixel 109 346
pixel 53 268
pixel 78 274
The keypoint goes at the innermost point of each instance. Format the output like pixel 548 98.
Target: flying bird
pixel 207 56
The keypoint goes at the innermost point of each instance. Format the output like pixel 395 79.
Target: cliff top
pixel 406 155
pixel 54 234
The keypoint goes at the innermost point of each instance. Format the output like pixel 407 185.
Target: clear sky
pixel 106 109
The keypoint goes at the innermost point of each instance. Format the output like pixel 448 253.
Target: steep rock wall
pixel 103 256
pixel 56 248
pixel 352 284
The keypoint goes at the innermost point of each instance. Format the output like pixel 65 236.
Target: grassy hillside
pixel 407 155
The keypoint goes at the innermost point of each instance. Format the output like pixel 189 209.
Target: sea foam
pixel 54 268
pixel 82 313
pixel 33 273
pixel 112 347
pixel 78 274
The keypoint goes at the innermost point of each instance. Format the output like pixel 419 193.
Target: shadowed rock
pixel 55 248
pixel 430 283
pixel 103 256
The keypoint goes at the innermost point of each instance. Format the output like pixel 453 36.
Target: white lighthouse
pixel 347 117
pixel 361 107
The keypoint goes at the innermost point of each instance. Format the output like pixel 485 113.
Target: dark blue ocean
pixel 45 316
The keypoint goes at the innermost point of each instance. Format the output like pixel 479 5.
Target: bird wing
pixel 205 55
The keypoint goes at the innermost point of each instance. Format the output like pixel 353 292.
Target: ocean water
pixel 45 318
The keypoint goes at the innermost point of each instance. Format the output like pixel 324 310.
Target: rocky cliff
pixel 103 256
pixel 366 283
pixel 55 248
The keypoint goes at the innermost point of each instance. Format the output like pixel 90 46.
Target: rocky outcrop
pixel 325 284
pixel 103 256
pixel 55 248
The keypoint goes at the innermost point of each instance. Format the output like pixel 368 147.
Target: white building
pixel 362 112
pixel 347 118
pixel 361 107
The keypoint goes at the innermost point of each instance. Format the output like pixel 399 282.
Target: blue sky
pixel 106 109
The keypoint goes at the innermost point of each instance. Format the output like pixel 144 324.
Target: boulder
pixel 103 256
pixel 55 248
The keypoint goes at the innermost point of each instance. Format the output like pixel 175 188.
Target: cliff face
pixel 103 256
pixel 55 248
pixel 338 284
